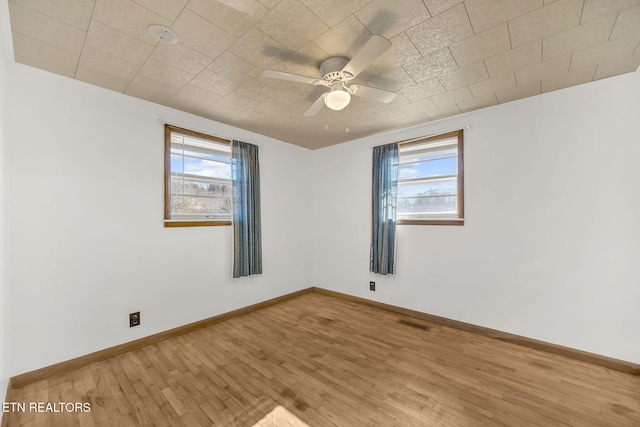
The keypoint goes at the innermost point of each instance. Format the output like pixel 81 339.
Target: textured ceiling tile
pixel 393 80
pixel 561 81
pixel 515 59
pixel 150 90
pixel 181 57
pixel 437 6
pixel 333 11
pixel 215 83
pixel 252 46
pixel 476 103
pixel 270 3
pixel 101 79
pixel 518 92
pixel 345 39
pixel 399 100
pixel 577 38
pixel 485 14
pixel 388 20
pixel 201 35
pixel 38 52
pixel 606 52
pixel 418 106
pixel 441 30
pixel 382 118
pixel 73 12
pixel 192 98
pixel 545 21
pixel 452 97
pixel 543 70
pixel 594 9
pixel 169 9
pixel 292 24
pixel 431 65
pixel 165 74
pixel 128 17
pixel 34 24
pixel 423 90
pixel 108 64
pixel 413 119
pixel 494 84
pixel 237 17
pixel 481 46
pixel 237 102
pixel 401 52
pixel 305 61
pixel 234 68
pixel 464 76
pixel 38 63
pixel 628 23
pixel 618 66
pixel 443 112
pixel 109 40
pixel 232 90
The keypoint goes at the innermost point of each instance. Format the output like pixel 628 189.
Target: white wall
pixel 551 241
pixel 88 244
pixel 5 291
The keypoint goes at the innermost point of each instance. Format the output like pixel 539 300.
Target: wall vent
pixel 414 325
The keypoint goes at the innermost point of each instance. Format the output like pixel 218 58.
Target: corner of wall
pixel 6 54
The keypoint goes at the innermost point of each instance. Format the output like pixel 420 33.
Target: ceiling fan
pixel 337 72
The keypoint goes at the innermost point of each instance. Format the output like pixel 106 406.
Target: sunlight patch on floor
pixel 280 417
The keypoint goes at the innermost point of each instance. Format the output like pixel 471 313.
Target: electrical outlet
pixel 372 286
pixel 134 319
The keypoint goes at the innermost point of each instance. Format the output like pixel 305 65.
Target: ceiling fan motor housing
pixel 331 70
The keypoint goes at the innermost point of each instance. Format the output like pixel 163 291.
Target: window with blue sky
pixel 430 179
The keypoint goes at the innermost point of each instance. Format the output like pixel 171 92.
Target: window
pixel 197 181
pixel 430 181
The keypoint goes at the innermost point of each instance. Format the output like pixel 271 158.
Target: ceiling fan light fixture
pixel 337 99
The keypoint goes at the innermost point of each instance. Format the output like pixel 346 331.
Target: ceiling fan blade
pixel 316 106
pixel 373 93
pixel 287 76
pixel 376 46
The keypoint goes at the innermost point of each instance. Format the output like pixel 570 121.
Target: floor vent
pixel 414 325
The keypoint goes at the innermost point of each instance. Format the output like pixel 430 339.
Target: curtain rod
pixel 164 122
pixel 404 141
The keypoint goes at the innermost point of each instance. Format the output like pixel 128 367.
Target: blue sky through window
pixel 428 169
pixel 202 167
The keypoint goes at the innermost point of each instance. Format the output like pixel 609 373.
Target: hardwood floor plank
pixel 316 360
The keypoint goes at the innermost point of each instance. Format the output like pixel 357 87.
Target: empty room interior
pixel 320 213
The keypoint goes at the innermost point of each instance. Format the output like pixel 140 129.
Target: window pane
pixel 428 205
pixel 204 155
pixel 202 167
pixel 176 163
pixel 198 188
pixel 200 205
pixel 428 189
pixel 428 168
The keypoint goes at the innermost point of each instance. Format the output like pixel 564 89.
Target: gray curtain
pixel 383 209
pixel 247 230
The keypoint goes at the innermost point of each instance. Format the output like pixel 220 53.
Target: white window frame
pixel 442 144
pixel 197 141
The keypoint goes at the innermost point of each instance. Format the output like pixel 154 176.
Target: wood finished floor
pixel 321 361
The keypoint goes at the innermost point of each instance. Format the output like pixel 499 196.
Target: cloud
pixel 207 168
pixel 407 172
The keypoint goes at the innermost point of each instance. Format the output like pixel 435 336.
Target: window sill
pixel 195 223
pixel 430 221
